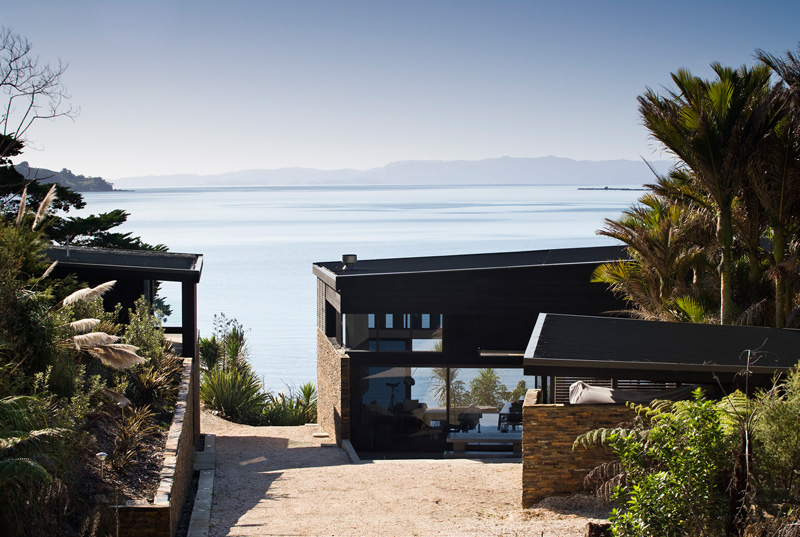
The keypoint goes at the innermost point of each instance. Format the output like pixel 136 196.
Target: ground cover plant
pixel 230 387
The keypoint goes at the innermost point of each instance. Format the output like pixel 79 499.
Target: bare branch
pixel 33 90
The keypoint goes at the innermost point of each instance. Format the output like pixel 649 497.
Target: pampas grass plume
pixel 84 325
pixel 93 339
pixel 23 202
pixel 116 357
pixel 44 206
pixel 49 270
pixel 116 397
pixel 90 293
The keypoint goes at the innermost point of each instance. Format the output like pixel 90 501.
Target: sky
pixel 172 86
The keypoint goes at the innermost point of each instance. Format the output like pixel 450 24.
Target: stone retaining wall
pixel 160 519
pixel 549 465
pixel 333 389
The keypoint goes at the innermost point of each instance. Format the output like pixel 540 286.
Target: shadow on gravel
pixel 247 466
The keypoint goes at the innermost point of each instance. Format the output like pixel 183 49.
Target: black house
pixel 392 331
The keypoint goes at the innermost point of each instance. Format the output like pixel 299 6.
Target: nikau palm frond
pixel 89 293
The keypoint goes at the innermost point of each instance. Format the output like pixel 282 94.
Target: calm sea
pixel 258 243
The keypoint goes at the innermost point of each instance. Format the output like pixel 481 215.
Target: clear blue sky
pixel 207 87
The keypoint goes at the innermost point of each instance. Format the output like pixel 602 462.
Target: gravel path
pixel 283 481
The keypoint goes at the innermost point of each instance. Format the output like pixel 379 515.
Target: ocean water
pixel 258 243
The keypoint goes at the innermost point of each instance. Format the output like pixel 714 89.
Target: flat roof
pixel 631 348
pixel 557 256
pixel 146 264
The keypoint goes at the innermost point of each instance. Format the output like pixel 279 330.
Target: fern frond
pixel 22 470
pixel 29 440
pixel 598 438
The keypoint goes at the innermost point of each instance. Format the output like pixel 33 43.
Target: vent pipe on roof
pixel 349 261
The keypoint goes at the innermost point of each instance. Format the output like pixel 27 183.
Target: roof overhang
pixel 606 347
pixel 127 264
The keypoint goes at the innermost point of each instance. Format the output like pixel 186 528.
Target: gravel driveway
pixel 283 481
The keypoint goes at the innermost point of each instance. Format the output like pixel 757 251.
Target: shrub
pixel 674 474
pixel 156 381
pixel 237 393
pixel 292 409
pixel 777 436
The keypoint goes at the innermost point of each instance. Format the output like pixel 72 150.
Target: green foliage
pixel 156 381
pixel 459 394
pixel 283 409
pixel 308 401
pixel 777 434
pixel 736 140
pixel 210 352
pixel 486 389
pixel 227 347
pixel 673 479
pixel 28 444
pixel 144 330
pixel 237 393
pixel 134 426
pixel 518 392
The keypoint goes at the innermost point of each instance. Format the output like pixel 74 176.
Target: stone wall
pixel 333 389
pixel 161 518
pixel 549 465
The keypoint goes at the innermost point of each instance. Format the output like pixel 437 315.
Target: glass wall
pixel 393 411
pixel 398 332
pixel 405 409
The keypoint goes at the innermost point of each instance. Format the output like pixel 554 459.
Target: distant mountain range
pixel 505 170
pixel 78 183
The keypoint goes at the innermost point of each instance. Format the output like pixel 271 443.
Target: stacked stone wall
pixel 550 467
pixel 161 518
pixel 333 389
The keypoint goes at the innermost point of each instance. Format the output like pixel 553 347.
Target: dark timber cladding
pixel 487 284
pixel 682 352
pixel 135 272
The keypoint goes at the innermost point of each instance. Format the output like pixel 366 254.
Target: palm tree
pixel 664 240
pixel 775 175
pixel 713 127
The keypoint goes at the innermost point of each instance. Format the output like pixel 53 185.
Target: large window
pixel 393 332
pixel 405 409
